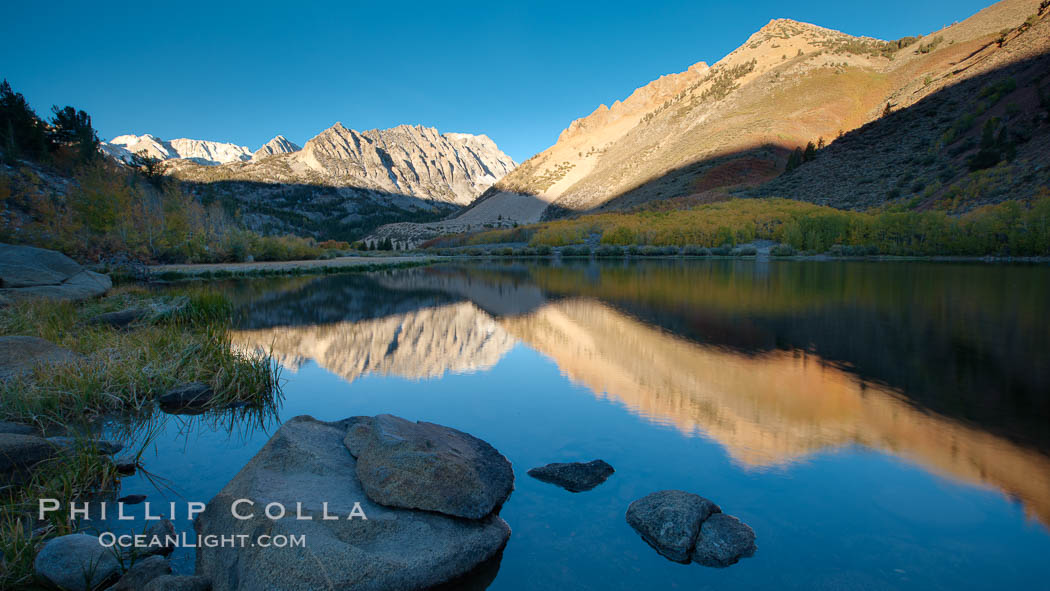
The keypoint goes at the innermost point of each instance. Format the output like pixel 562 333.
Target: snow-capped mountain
pixel 200 151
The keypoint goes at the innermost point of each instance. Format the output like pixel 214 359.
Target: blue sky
pixel 517 71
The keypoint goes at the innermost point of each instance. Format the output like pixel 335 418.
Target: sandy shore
pixel 275 266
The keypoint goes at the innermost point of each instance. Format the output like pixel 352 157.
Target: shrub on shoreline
pixel 1013 228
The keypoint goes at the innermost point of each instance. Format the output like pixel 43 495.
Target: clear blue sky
pixel 517 71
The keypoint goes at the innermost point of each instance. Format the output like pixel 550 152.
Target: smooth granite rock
pixel 28 266
pixel 574 476
pixel 18 452
pixel 428 466
pixel 30 272
pixel 141 573
pixel 723 540
pixel 76 562
pixel 20 354
pixel 669 520
pixel 306 462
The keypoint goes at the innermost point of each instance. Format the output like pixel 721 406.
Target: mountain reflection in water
pixel 941 365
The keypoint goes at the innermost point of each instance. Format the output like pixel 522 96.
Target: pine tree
pixel 794 160
pixel 810 153
pixel 73 127
pixel 22 133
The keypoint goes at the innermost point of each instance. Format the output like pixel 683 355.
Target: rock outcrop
pixel 574 476
pixel 306 468
pixel 408 160
pixel 429 467
pixel 30 272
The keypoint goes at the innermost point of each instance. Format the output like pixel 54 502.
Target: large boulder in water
pixel 306 463
pixel 427 466
pixel 26 271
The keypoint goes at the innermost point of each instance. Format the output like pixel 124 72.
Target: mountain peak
pixel 278 145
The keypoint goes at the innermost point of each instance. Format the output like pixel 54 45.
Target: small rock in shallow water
pixel 102 446
pixel 574 476
pixel 76 562
pixel 428 466
pixel 141 573
pixel 723 541
pixel 191 396
pixel 132 499
pixel 178 583
pixel 126 467
pixel 669 520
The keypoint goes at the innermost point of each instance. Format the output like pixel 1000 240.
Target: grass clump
pixel 121 371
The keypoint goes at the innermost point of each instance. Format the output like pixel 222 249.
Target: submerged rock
pixel 187 397
pixel 669 520
pixel 26 272
pixel 574 476
pixel 306 468
pixel 76 562
pixel 723 541
pixel 19 354
pixel 428 466
pixel 141 573
pixel 18 452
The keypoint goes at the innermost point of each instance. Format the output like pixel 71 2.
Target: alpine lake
pixel 880 425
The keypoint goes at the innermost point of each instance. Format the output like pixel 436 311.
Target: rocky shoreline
pixel 381 504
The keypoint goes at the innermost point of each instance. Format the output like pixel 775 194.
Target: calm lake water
pixel 879 425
